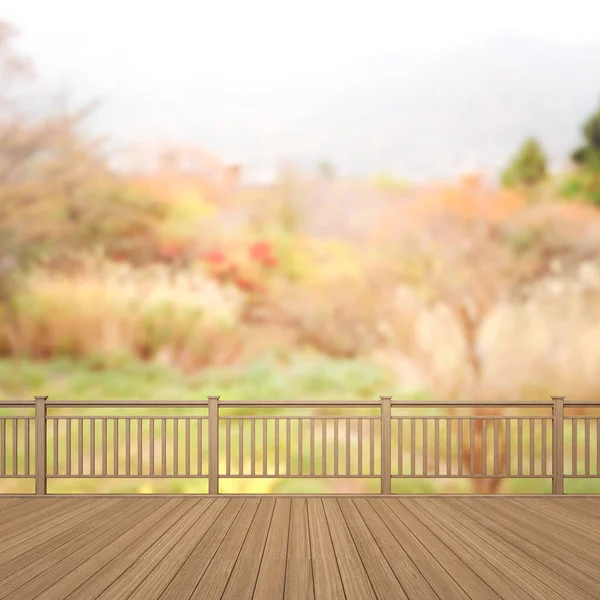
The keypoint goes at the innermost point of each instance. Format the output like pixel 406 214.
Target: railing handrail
pixel 297 403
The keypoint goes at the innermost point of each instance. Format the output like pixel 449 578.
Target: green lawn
pixel 304 376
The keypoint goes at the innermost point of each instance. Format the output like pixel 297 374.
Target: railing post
pixel 40 445
pixel 213 445
pixel 558 449
pixel 386 445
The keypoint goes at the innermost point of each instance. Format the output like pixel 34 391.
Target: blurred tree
pixel 57 194
pixel 467 266
pixel 325 170
pixel 528 167
pixel 585 182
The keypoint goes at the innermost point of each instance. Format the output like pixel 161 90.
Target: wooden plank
pixel 438 577
pixel 61 557
pixel 582 573
pixel 299 576
pixel 29 517
pixel 30 509
pixel 190 578
pixel 38 536
pixel 326 575
pixel 588 506
pixel 61 580
pixel 352 572
pixel 6 503
pixel 553 531
pixel 271 577
pixel 471 583
pixel 413 581
pixel 152 572
pixel 382 577
pixel 240 582
pixel 589 528
pixel 504 573
pixel 107 570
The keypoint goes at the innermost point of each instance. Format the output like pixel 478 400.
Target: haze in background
pixel 423 89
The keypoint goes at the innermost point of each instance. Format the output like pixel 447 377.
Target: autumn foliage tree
pixel 468 267
pixel 57 194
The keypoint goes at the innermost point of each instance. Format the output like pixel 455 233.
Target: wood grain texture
pixel 268 548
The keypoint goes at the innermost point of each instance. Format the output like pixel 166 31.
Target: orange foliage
pixel 468 200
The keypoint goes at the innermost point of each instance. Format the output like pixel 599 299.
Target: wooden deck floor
pixel 270 548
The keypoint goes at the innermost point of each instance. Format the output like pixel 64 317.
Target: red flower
pixel 262 253
pixel 247 285
pixel 214 257
pixel 171 251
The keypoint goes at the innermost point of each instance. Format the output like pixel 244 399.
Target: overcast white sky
pixel 110 41
pixel 132 52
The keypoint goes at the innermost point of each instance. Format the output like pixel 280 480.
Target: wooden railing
pixel 216 440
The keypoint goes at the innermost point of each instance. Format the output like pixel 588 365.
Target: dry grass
pixel 111 311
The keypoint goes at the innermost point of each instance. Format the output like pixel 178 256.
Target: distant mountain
pixel 418 114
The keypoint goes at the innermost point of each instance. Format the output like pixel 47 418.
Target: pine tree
pixel 528 167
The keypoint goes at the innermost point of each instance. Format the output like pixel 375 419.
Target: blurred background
pixel 324 200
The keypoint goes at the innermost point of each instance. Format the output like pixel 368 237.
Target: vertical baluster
pixel 104 447
pixel 200 422
pixel 544 425
pixel 151 446
pixel 587 447
pixel 347 446
pixel 360 446
pixel 92 446
pixel 508 447
pixel 532 446
pixel 140 447
pixel 312 446
pixel 264 448
pixel 460 451
pixel 323 446
pixel 336 424
pixel 277 425
pixel 80 446
pixel 412 447
pixel 116 443
pixel 2 446
pixel 187 446
pixel 163 446
pixel 128 446
pixel 574 442
pixel 15 446
pixel 27 425
pixel 300 450
pixel 484 451
pixel 400 445
pixel 472 446
pixel 288 446
pixel 176 446
pixel 436 451
pixel 520 445
pixel 228 446
pixel 425 422
pixel 496 445
pixel 241 446
pixel 372 446
pixel 252 446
